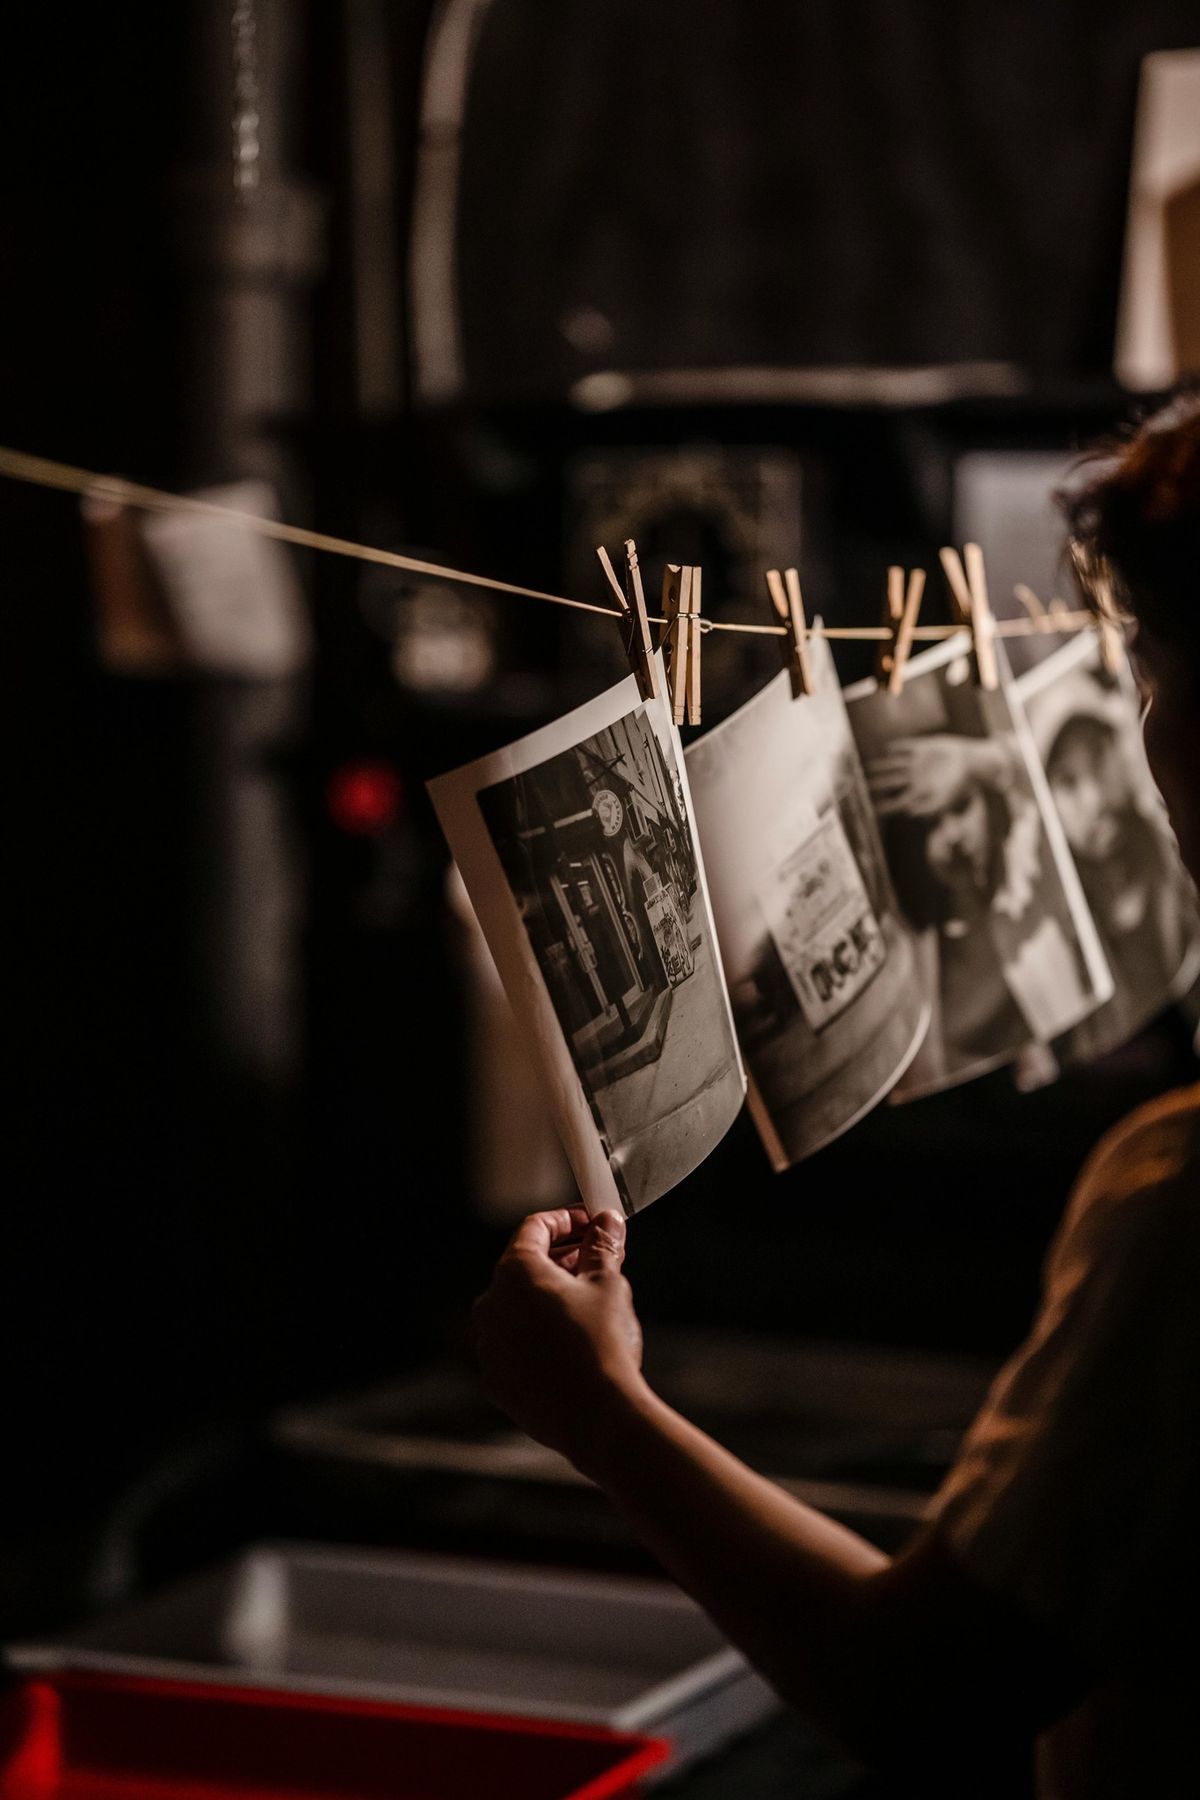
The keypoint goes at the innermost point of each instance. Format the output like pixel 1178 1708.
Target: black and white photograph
pixel 577 849
pixel 980 867
pixel 1085 726
pixel 821 965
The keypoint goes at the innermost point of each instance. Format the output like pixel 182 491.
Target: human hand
pixel 920 777
pixel 556 1332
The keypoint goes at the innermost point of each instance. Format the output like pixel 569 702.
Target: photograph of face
pixel 1090 784
pixel 1008 951
pixel 964 844
pixel 821 967
pixel 1086 730
pixel 606 942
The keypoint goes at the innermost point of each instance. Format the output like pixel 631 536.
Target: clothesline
pixel 43 472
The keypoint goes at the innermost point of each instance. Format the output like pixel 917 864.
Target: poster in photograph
pixel 980 867
pixel 820 965
pixel 577 849
pixel 1085 728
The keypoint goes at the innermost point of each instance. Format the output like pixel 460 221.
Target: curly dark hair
pixel 1134 512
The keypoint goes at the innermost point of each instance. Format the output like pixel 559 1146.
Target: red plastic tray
pixel 100 1737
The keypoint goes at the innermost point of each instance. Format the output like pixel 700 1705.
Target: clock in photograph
pixel 609 810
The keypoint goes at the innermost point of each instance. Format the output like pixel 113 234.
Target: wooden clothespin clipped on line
pixel 681 640
pixel 1040 618
pixel 1054 616
pixel 789 606
pixel 901 607
pixel 968 584
pixel 635 620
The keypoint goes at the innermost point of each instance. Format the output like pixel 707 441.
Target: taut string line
pixel 40 471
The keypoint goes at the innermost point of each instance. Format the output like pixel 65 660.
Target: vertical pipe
pixel 248 234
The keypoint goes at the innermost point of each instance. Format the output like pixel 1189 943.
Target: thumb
pixel 602 1249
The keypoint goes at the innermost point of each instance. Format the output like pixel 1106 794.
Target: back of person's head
pixel 1134 511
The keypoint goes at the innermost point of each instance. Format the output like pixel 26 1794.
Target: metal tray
pixel 617 1652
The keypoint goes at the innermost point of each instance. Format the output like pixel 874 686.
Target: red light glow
pixel 365 797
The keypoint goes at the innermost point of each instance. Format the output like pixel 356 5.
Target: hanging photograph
pixel 577 849
pixel 1085 727
pixel 1008 951
pixel 820 964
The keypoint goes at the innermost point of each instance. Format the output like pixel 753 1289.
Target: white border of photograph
pixel 1078 649
pixel 455 800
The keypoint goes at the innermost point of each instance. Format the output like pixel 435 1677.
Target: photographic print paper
pixel 1085 728
pixel 820 965
pixel 577 849
pixel 980 868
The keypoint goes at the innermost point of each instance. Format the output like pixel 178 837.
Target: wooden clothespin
pixel 1039 618
pixel 906 627
pixel 789 606
pixel 694 637
pixel 893 613
pixel 983 624
pixel 631 600
pixel 135 630
pixel 968 584
pixel 674 640
pixel 681 640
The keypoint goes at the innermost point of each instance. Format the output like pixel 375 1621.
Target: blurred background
pixel 493 281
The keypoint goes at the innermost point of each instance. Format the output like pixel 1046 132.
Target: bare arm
pixel 898 1660
pixel 901 1661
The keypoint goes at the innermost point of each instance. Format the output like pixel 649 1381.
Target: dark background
pixel 193 1236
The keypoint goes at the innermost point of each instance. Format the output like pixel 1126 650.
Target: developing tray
pixel 612 1652
pixel 112 1737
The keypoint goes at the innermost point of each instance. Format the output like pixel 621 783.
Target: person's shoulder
pixel 1147 1165
pixel 1156 1137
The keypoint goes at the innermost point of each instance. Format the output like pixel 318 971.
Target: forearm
pixel 785 1584
pixel 902 1661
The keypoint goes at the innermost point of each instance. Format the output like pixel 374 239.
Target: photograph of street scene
pixel 821 966
pixel 597 848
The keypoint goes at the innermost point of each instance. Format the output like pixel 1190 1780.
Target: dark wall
pixel 881 181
